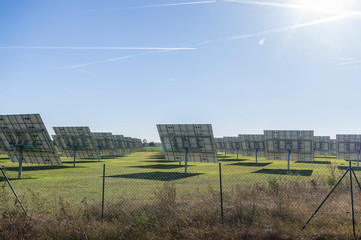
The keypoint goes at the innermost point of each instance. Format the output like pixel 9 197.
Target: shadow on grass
pixel 304 173
pixel 36 168
pixel 346 168
pixel 157 156
pixel 232 160
pixel 315 162
pixel 2 179
pixel 4 158
pixel 82 161
pixel 157 176
pixel 250 164
pixel 161 166
pixel 332 157
pixel 160 161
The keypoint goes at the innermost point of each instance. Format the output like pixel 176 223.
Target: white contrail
pixel 276 30
pixel 99 48
pixel 160 5
pixel 117 59
pixel 293 6
pixel 101 61
pixel 348 63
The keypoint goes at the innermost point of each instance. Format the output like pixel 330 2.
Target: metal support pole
pixel 12 189
pixel 288 159
pixel 256 154
pixel 74 156
pixel 352 206
pixel 358 158
pixel 329 194
pixel 99 154
pixel 20 162
pixel 237 152
pixel 358 183
pixel 221 191
pixel 185 152
pixel 103 191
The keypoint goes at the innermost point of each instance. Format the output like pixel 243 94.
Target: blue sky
pixel 124 66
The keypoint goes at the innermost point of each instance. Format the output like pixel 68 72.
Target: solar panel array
pixel 333 147
pixel 219 142
pixel 27 130
pixel 298 142
pixel 106 143
pixel 69 138
pixel 197 138
pixel 348 145
pixel 322 145
pixel 231 144
pixel 90 144
pixel 249 143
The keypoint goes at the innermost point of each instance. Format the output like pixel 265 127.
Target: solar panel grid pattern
pixel 197 137
pixel 27 129
pixel 322 145
pixel 79 137
pixel 106 142
pixel 219 142
pixel 300 142
pixel 120 143
pixel 231 143
pixel 348 145
pixel 249 143
pixel 333 147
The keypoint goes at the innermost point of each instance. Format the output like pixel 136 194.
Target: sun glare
pixel 327 6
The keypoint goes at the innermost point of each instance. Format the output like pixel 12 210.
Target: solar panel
pixel 195 141
pixel 322 145
pixel 139 144
pixel 76 140
pixel 106 142
pixel 252 145
pixel 219 142
pixel 289 145
pixel 348 147
pixel 121 144
pixel 333 147
pixel 232 144
pixel 28 135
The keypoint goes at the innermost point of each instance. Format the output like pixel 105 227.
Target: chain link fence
pixel 144 188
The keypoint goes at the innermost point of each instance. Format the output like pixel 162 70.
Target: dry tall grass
pixel 275 210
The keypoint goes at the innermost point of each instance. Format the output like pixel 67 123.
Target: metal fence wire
pixel 146 186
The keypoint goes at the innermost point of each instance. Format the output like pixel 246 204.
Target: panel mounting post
pixel 20 161
pixel 288 159
pixel 74 148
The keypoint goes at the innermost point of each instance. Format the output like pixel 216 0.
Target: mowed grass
pixel 139 175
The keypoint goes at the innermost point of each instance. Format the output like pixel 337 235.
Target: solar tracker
pixel 139 145
pixel 76 142
pixel 121 144
pixel 24 139
pixel 219 142
pixel 348 147
pixel 106 143
pixel 322 145
pixel 232 145
pixel 252 145
pixel 333 147
pixel 192 142
pixel 289 145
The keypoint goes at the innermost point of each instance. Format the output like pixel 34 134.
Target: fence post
pixel 103 191
pixel 12 189
pixel 221 190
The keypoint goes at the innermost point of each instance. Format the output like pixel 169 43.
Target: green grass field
pixel 137 176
